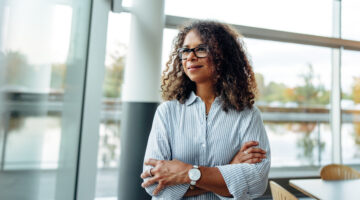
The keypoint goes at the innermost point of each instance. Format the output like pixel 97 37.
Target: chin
pixel 198 79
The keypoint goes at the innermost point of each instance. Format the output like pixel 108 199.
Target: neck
pixel 206 92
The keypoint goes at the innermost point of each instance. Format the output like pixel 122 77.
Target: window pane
pixel 43 48
pixel 118 34
pixel 294 96
pixel 350 106
pixel 302 16
pixel 350 19
pixel 169 35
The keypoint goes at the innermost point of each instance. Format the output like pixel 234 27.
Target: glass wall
pixel 294 97
pixel 43 49
pixel 350 107
pixel 109 134
pixel 350 18
pixel 301 16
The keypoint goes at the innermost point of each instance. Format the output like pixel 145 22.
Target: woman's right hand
pixel 249 154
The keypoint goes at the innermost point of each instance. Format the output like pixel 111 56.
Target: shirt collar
pixel 191 98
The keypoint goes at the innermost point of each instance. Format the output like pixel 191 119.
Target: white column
pixel 141 93
pixel 335 117
pixel 142 72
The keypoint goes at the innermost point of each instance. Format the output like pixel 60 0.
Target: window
pixel 350 107
pixel 294 95
pixel 350 18
pixel 302 16
pixel 110 125
pixel 43 58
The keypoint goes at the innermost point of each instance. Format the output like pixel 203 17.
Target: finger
pixel 244 157
pixel 248 145
pixel 149 182
pixel 256 150
pixel 158 189
pixel 146 174
pixel 257 155
pixel 151 162
pixel 253 160
pixel 251 156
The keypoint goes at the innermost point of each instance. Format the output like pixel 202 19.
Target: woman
pixel 194 148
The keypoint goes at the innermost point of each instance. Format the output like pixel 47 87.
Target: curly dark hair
pixel 234 78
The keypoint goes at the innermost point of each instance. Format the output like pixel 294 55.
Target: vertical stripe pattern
pixel 181 131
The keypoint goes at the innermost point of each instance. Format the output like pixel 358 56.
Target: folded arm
pixel 248 153
pixel 232 181
pixel 158 147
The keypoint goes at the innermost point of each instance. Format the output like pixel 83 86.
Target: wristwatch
pixel 194 175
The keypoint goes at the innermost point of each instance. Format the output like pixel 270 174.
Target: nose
pixel 191 56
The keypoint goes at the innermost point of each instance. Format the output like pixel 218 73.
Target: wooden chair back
pixel 338 172
pixel 280 193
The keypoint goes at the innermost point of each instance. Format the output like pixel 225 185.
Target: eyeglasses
pixel 200 52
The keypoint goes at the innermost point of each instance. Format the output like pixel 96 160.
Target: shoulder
pixel 252 113
pixel 168 107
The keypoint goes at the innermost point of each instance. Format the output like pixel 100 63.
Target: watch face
pixel 194 174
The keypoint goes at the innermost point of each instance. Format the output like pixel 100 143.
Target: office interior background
pixel 73 72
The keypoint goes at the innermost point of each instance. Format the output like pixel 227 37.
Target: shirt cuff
pixel 235 180
pixel 171 192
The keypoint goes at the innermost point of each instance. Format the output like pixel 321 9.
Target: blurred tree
pixel 114 73
pixel 356 90
pixel 309 94
pixel 260 85
pixel 356 99
pixel 58 73
pixel 275 92
pixel 15 65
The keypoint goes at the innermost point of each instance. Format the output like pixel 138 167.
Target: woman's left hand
pixel 249 154
pixel 165 173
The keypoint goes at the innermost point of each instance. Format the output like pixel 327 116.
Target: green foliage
pixel 58 74
pixel 114 75
pixel 15 64
pixel 275 92
pixel 356 90
pixel 309 94
pixel 306 94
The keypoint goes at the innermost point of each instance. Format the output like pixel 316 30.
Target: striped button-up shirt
pixel 183 132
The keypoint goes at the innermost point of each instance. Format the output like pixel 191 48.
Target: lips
pixel 193 67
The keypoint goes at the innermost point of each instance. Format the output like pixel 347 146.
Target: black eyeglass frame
pixel 180 51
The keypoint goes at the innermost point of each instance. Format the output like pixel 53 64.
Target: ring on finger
pixel 245 152
pixel 151 175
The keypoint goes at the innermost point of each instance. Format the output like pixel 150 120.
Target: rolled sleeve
pixel 245 181
pixel 159 148
pixel 248 181
pixel 170 192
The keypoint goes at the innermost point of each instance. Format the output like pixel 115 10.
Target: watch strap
pixel 193 182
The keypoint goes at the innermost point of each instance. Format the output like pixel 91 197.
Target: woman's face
pixel 199 70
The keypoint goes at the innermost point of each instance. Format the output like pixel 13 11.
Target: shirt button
pixel 203 145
